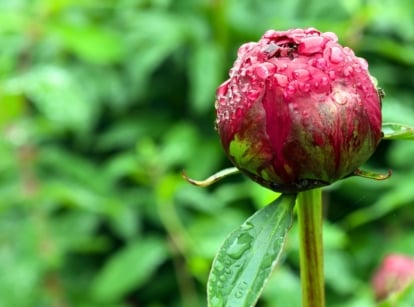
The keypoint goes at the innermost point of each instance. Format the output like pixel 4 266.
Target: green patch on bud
pixel 247 156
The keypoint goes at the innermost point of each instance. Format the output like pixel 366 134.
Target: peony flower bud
pixel 299 111
pixel 396 273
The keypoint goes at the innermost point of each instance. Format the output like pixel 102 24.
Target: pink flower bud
pixel 395 273
pixel 298 111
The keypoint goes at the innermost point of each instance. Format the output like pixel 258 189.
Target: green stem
pixel 309 210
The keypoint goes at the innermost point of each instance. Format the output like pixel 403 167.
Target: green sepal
pixel 213 178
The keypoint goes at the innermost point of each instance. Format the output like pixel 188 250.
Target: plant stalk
pixel 309 210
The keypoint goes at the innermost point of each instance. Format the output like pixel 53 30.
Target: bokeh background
pixel 103 103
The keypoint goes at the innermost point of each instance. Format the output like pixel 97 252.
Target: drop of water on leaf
pixel 241 289
pixel 240 246
pixel 219 266
pixel 247 226
pixel 217 301
pixel 213 277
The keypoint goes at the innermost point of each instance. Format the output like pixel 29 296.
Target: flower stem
pixel 309 210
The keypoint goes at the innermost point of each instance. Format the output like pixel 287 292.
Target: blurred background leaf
pixel 104 103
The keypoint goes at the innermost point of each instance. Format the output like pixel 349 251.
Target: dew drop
pixel 265 70
pixel 291 88
pixel 312 62
pixel 219 266
pixel 364 63
pixel 216 301
pixel 247 226
pixel 222 90
pixel 340 97
pixel 311 44
pixel 330 36
pixel 305 87
pixel 282 67
pixel 348 71
pixel 349 51
pixel 356 68
pixel 301 74
pixel 321 63
pixel 336 55
pixel 282 80
pixel 222 278
pixel 240 246
pixel 245 48
pixel 332 74
pixel 241 288
pixel 213 277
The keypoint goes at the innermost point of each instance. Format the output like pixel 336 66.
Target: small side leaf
pixel 395 131
pixel 249 254
pixel 128 269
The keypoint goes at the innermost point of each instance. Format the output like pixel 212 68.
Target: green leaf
pixel 395 131
pixel 58 95
pixel 129 269
pixel 249 254
pixel 205 73
pixel 91 43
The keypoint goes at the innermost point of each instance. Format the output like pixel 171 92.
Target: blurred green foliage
pixel 103 103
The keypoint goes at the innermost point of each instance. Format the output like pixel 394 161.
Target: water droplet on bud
pixel 265 70
pixel 282 80
pixel 348 71
pixel 301 74
pixel 311 44
pixel 335 55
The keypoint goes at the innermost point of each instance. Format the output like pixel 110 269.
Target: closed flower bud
pixel 395 273
pixel 299 111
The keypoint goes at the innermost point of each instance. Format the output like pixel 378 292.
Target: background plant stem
pixel 309 210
